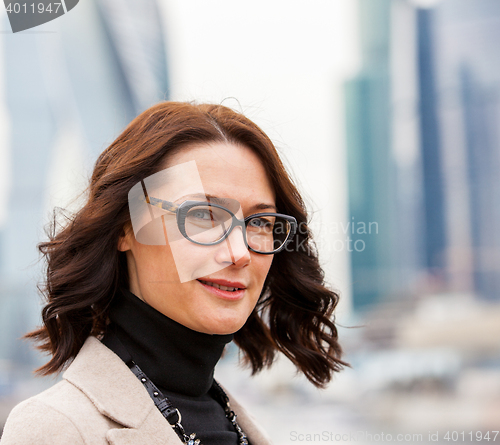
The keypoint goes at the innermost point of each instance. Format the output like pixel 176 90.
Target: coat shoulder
pixel 61 414
pixel 34 421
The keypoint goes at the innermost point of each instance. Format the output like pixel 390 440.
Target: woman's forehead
pixel 225 169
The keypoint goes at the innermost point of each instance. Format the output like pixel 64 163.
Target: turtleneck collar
pixel 173 356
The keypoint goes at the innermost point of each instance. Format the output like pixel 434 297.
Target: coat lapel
pixel 117 394
pixel 153 431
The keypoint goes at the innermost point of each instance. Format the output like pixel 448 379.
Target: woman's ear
pixel 124 243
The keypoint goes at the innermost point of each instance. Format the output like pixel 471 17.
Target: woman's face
pixel 226 171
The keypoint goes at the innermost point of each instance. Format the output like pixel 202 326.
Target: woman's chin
pixel 223 326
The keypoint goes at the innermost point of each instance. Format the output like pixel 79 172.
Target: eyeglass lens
pixel 208 224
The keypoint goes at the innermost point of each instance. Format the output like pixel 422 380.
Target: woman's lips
pixel 227 290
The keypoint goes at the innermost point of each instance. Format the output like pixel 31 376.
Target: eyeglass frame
pixel 181 212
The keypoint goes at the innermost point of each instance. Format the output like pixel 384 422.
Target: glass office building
pixel 424 150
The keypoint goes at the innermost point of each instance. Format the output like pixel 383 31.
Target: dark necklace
pixel 173 415
pixel 168 411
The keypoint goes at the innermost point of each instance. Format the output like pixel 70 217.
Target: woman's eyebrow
pixel 264 206
pixel 205 196
pixel 259 206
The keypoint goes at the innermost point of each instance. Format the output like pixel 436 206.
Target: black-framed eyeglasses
pixel 206 223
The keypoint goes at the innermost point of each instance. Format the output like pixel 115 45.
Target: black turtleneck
pixel 178 360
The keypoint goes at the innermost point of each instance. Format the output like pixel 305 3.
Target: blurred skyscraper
pixel 371 166
pixel 424 149
pixel 69 87
pixel 469 32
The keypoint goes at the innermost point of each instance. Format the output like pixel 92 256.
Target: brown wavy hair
pixel 84 268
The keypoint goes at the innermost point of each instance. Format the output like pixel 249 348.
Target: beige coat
pixel 99 401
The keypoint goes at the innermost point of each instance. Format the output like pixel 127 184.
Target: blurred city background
pixel 387 113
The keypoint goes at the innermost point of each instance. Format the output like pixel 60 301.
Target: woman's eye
pixel 201 214
pixel 260 223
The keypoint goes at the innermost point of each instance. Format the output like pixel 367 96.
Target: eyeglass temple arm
pixel 160 203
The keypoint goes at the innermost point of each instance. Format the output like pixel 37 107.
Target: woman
pixel 192 235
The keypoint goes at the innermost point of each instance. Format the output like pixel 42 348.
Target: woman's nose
pixel 233 249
